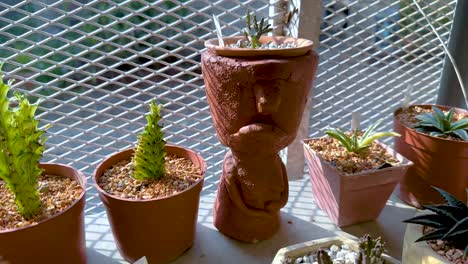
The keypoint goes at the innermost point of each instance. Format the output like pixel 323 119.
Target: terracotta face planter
pixel 59 239
pixel 351 199
pixel 256 102
pixel 437 162
pixel 305 248
pixel 160 229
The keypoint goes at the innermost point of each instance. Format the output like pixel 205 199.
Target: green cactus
pixel 370 250
pixel 323 257
pixel 21 146
pixel 149 158
pixel 253 31
pixel 438 124
pixel 450 221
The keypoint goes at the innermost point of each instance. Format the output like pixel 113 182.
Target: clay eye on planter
pixel 267 99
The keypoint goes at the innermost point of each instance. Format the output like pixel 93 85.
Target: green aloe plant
pixel 21 148
pixel 439 124
pixel 356 143
pixel 253 31
pixel 370 250
pixel 449 220
pixel 149 159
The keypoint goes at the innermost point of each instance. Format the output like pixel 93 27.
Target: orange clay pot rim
pixel 213 43
pixel 100 190
pixel 424 134
pixel 83 186
pixel 404 162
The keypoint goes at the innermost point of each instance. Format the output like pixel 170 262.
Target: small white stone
pixel 334 248
pixel 345 247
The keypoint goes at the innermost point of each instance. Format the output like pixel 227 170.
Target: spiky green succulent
pixel 449 220
pixel 149 159
pixel 253 31
pixel 356 143
pixel 439 124
pixel 21 148
pixel 370 250
pixel 323 257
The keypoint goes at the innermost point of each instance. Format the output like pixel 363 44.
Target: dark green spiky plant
pixel 370 250
pixel 149 155
pixel 253 31
pixel 356 143
pixel 449 220
pixel 323 257
pixel 439 124
pixel 21 148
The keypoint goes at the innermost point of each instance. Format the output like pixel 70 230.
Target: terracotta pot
pixel 256 104
pixel 419 252
pixel 160 229
pixel 351 199
pixel 437 162
pixel 301 249
pixel 59 239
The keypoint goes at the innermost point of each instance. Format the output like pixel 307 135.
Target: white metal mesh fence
pixel 96 64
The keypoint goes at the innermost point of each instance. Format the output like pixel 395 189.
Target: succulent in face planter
pixel 432 138
pixel 445 228
pixel 346 169
pixel 151 192
pixel 336 250
pixel 256 97
pixel 48 198
pixel 253 31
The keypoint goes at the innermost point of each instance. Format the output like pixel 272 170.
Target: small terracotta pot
pixel 437 162
pixel 59 239
pixel 301 249
pixel 160 229
pixel 351 199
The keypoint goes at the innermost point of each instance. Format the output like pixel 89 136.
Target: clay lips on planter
pixel 256 99
pixel 437 162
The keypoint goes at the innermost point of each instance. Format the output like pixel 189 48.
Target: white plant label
pixel 406 100
pixel 355 121
pixel 218 31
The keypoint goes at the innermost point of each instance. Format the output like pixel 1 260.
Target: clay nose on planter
pixel 267 99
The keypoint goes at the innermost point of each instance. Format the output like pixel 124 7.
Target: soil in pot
pixel 57 193
pixel 180 174
pixel 444 249
pixel 373 158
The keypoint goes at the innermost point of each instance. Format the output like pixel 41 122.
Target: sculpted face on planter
pixel 256 105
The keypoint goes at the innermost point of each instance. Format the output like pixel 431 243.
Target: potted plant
pixel 257 87
pixel 41 204
pixel 435 139
pixel 350 169
pixel 336 250
pixel 151 195
pixel 439 236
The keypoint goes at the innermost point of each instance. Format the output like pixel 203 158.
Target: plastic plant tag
pixel 143 260
pixel 355 120
pixel 406 100
pixel 218 31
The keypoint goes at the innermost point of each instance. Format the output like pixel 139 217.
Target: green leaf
pixel 436 134
pixel 434 235
pixel 460 228
pixel 451 200
pixel 440 117
pixel 371 129
pixel 368 141
pixel 344 139
pixel 451 212
pixel 460 124
pixel 432 220
pixel 460 133
pixel 450 114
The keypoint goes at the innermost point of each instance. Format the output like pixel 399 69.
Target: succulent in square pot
pixel 439 233
pixel 435 139
pixel 41 204
pixel 257 97
pixel 353 174
pixel 151 194
pixel 336 250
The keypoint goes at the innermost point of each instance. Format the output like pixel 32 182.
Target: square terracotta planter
pixel 305 248
pixel 351 199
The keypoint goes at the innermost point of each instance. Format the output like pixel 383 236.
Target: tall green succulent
pixel 356 143
pixel 439 124
pixel 370 250
pixel 149 156
pixel 253 31
pixel 449 220
pixel 21 148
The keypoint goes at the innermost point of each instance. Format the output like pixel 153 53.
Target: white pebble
pixel 334 248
